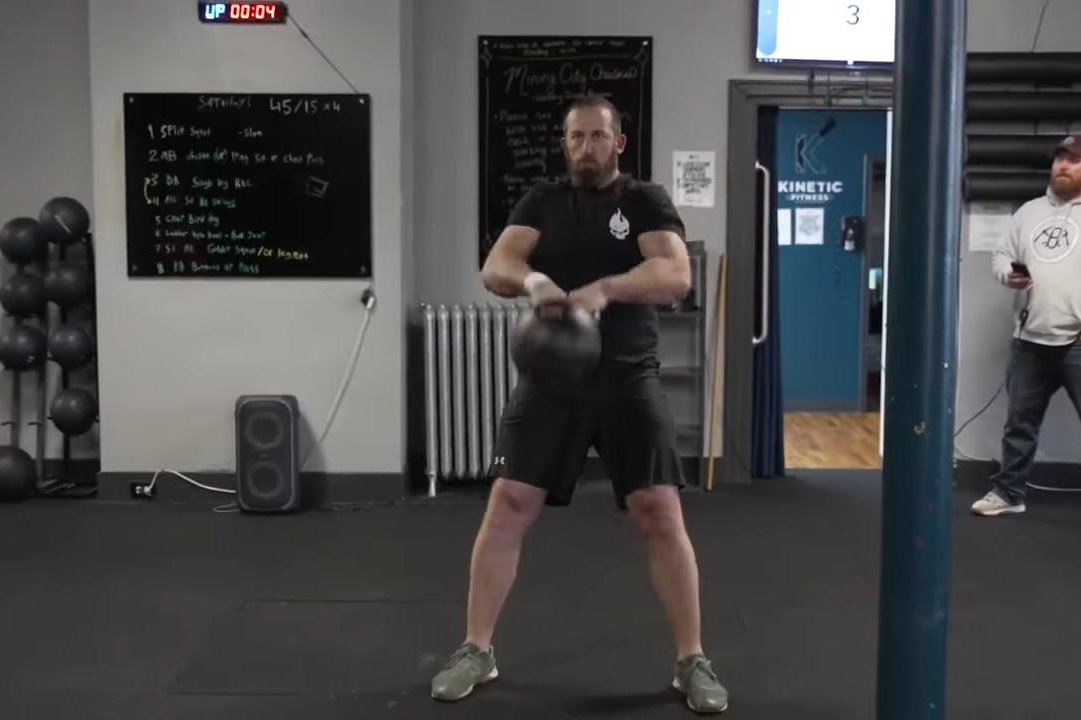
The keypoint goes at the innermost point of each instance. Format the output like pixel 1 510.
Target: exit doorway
pixel 830 181
pixel 803 373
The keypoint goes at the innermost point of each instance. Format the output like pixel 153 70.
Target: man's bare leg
pixel 672 563
pixel 512 507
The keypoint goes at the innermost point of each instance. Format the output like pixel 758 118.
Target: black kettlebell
pixel 557 346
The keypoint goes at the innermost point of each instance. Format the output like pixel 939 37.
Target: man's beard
pixel 1065 187
pixel 590 175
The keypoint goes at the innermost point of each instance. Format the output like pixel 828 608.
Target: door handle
pixel 767 216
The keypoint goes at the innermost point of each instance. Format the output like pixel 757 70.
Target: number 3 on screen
pixel 854 18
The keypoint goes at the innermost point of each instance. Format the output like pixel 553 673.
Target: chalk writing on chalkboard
pixel 526 83
pixel 248 185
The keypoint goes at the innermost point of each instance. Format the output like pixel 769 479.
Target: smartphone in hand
pixel 1020 269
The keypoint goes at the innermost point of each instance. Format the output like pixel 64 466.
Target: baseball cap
pixel 1070 144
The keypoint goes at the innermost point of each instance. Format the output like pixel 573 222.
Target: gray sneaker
pixel 695 677
pixel 468 667
pixel 993 504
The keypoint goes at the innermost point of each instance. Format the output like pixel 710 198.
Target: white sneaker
pixel 993 504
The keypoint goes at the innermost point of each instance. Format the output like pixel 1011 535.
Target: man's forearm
pixel 505 276
pixel 1000 266
pixel 655 280
pixel 1008 250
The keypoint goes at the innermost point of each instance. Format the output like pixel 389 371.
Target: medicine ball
pixel 22 241
pixel 73 411
pixel 18 474
pixel 71 346
pixel 22 347
pixel 64 220
pixel 23 295
pixel 67 284
pixel 560 350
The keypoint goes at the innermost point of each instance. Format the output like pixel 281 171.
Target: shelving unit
pixel 683 365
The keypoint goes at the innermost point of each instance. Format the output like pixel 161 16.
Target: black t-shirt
pixel 589 234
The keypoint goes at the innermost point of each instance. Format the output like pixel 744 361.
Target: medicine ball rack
pixel 26 345
pixel 66 482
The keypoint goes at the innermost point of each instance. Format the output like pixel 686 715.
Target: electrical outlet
pixel 141 491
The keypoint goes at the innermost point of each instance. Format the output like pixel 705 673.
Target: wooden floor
pixel 831 440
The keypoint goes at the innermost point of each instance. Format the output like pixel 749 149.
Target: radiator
pixel 468 376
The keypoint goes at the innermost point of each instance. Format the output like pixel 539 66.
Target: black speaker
pixel 267 453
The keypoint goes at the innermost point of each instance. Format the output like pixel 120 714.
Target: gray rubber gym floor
pixel 159 611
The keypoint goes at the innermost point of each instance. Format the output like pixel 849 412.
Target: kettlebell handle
pixel 551 310
pixel 561 311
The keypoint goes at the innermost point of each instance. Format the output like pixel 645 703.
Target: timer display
pixel 827 33
pixel 260 13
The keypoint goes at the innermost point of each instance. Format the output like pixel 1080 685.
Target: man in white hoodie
pixel 1041 262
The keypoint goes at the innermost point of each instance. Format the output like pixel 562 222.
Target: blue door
pixel 821 157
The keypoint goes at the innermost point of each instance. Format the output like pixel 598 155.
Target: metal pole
pixel 921 351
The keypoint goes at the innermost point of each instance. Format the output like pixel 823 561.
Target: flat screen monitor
pixel 830 34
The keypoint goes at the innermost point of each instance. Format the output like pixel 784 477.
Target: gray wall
pixel 45 90
pixel 44 151
pixel 175 354
pixel 408 159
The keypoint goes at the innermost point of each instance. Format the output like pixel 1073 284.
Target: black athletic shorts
pixel 544 437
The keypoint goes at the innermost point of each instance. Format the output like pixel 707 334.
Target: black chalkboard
pixel 525 86
pixel 248 185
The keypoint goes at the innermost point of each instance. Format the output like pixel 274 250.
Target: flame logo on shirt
pixel 619 226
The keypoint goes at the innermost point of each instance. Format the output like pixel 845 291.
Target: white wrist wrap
pixel 533 279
